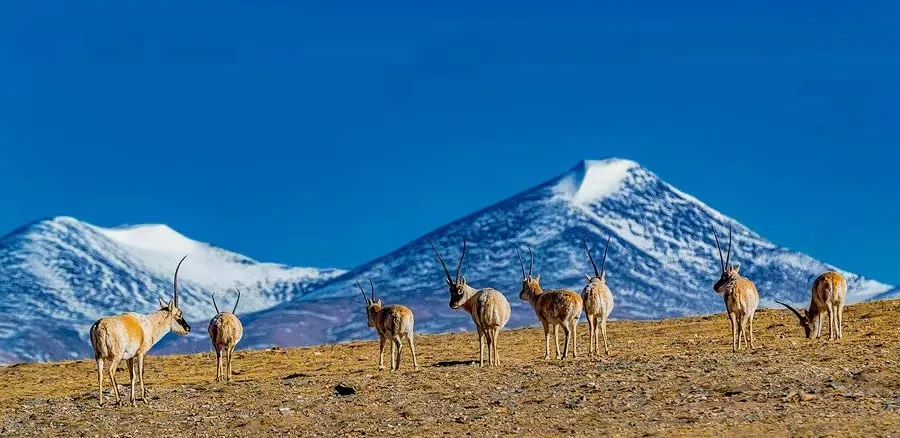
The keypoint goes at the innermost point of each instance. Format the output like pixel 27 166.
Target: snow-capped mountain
pixel 60 275
pixel 662 260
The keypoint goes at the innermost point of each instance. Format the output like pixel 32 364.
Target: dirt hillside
pixel 675 377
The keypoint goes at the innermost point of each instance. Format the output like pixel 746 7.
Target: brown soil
pixel 675 377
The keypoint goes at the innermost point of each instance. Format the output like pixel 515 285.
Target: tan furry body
pixel 829 292
pixel 741 300
pixel 598 304
pixel 554 308
pixel 225 331
pixel 490 312
pixel 394 323
pixel 489 308
pixel 128 337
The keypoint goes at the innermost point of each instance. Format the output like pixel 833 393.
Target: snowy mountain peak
pixel 151 237
pixel 593 180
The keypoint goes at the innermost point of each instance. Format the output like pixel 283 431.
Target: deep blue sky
pixel 328 135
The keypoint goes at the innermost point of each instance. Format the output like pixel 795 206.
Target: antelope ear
pixel 162 305
pixel 379 302
pixel 737 268
pixel 589 279
pixel 449 283
pixel 464 281
pixel 171 305
pixel 537 278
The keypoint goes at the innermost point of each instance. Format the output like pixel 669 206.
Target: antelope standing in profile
pixel 489 308
pixel 394 323
pixel 553 308
pixel 225 331
pixel 741 298
pixel 598 301
pixel 829 292
pixel 130 336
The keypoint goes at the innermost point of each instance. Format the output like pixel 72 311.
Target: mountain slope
pixel 662 262
pixel 60 275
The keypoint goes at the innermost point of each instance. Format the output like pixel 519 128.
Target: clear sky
pixel 326 135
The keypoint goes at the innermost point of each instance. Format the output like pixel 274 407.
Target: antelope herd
pixel 130 336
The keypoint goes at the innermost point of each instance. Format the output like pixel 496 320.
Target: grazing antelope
pixel 741 298
pixel 598 301
pixel 828 294
pixel 394 322
pixel 489 308
pixel 130 336
pixel 225 331
pixel 553 308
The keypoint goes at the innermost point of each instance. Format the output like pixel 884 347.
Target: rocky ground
pixel 675 377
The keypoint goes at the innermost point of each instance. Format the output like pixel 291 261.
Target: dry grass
pixel 676 377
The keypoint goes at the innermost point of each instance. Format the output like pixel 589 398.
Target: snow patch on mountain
pixel 593 180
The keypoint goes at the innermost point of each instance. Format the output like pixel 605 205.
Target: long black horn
pixel 591 257
pixel 522 264
pixel 175 282
pixel 373 287
pixel 728 258
pixel 461 258
pixel 441 259
pixel 531 269
pixel 721 259
pixel 214 303
pixel 605 251
pixel 796 312
pixel 362 290
pixel 234 309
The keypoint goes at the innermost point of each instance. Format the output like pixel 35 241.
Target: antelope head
pixel 806 321
pixel 531 284
pixel 459 290
pixel 599 278
pixel 730 273
pixel 373 305
pixel 174 315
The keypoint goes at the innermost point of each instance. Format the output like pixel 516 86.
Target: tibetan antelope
pixel 828 294
pixel 598 301
pixel 225 331
pixel 553 308
pixel 489 307
pixel 741 298
pixel 394 323
pixel 130 336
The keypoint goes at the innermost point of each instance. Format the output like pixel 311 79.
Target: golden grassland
pixel 673 377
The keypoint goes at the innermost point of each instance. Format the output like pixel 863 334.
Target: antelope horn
pixel 175 282
pixel 605 251
pixel 461 258
pixel 721 259
pixel 531 269
pixel 234 309
pixel 373 287
pixel 796 312
pixel 214 303
pixel 441 259
pixel 521 263
pixel 362 290
pixel 591 257
pixel 728 258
